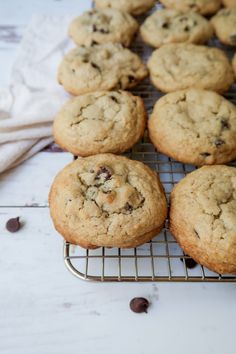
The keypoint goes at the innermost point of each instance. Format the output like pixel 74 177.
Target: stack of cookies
pixel 103 199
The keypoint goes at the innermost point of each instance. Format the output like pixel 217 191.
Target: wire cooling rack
pixel 161 259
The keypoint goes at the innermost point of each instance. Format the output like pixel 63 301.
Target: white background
pixel 43 308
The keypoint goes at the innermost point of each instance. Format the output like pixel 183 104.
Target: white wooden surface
pixel 43 308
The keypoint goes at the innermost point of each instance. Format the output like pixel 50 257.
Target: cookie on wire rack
pixel 194 126
pixel 134 7
pixel 203 217
pixel 204 7
pixel 102 26
pixel 224 23
pixel 100 67
pixel 107 200
pixel 179 66
pixel 173 26
pixel 100 122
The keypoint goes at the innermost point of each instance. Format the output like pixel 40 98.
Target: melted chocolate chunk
pixel 186 28
pixel 205 154
pixel 13 225
pixel 165 25
pixel 94 28
pixel 219 142
pixel 104 31
pixel 95 66
pixel 128 207
pixel 190 263
pixel 139 305
pixel 131 78
pixel 225 124
pixel 103 171
pixel 94 43
pixel 114 99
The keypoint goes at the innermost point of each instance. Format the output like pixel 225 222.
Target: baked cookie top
pixel 203 217
pixel 204 7
pixel 107 200
pixel 135 7
pixel 194 126
pixel 229 3
pixel 100 67
pixel 224 23
pixel 173 26
pixel 102 26
pixel 100 122
pixel 179 66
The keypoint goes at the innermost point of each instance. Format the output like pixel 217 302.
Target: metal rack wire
pixel 161 259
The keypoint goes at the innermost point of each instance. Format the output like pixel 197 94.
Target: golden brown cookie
pixel 173 26
pixel 102 26
pixel 224 23
pixel 203 217
pixel 204 7
pixel 135 7
pixel 194 126
pixel 100 122
pixel 179 66
pixel 107 200
pixel 100 67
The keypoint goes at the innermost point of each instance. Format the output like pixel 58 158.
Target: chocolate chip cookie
pixel 229 3
pixel 224 23
pixel 203 217
pixel 173 26
pixel 107 200
pixel 135 7
pixel 179 66
pixel 100 67
pixel 100 122
pixel 102 26
pixel 194 126
pixel 204 7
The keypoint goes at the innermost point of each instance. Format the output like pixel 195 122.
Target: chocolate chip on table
pixel 224 124
pixel 189 262
pixel 219 142
pixel 139 304
pixel 13 225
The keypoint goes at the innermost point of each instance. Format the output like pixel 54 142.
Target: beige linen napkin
pixel 29 104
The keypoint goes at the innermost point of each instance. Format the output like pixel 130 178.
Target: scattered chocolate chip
pixel 105 171
pixel 95 66
pixel 128 207
pixel 165 25
pixel 94 43
pixel 205 154
pixel 219 142
pixel 114 99
pixel 186 28
pixel 189 262
pixel 183 19
pixel 139 305
pixel 233 38
pixel 224 124
pixel 13 225
pixel 131 78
